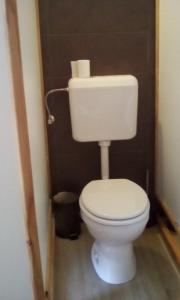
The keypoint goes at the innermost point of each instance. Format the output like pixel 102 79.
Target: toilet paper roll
pixel 83 68
pixel 74 68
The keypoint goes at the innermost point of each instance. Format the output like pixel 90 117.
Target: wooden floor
pixel 75 278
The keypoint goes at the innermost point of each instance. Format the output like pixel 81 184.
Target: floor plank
pixel 75 278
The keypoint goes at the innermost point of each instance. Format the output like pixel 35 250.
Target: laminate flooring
pixel 75 279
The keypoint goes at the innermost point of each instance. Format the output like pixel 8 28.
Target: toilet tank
pixel 103 107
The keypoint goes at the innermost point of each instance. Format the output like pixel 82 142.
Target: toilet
pixel 116 211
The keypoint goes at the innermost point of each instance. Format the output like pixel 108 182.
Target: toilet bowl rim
pixel 109 222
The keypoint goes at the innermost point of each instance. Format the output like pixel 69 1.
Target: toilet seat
pixel 114 223
pixel 114 200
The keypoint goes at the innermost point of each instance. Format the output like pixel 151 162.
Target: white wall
pixel 15 272
pixel 32 82
pixel 168 151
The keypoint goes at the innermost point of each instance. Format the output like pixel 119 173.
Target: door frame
pixel 24 147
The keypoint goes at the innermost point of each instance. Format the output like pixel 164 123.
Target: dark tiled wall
pixel 118 37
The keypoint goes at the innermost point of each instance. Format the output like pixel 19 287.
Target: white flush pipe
pixel 83 67
pixel 104 145
pixel 74 69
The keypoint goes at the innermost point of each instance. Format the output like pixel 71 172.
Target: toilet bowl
pixel 116 212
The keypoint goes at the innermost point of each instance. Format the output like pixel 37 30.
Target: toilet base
pixel 114 264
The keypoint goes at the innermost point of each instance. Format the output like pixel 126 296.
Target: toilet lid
pixel 114 199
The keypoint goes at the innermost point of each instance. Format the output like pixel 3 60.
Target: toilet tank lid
pixel 114 199
pixel 103 81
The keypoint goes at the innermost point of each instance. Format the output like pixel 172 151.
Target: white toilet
pixel 116 211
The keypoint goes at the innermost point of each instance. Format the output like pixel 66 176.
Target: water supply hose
pixel 51 118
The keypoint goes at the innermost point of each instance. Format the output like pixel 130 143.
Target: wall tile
pixel 109 53
pixel 85 16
